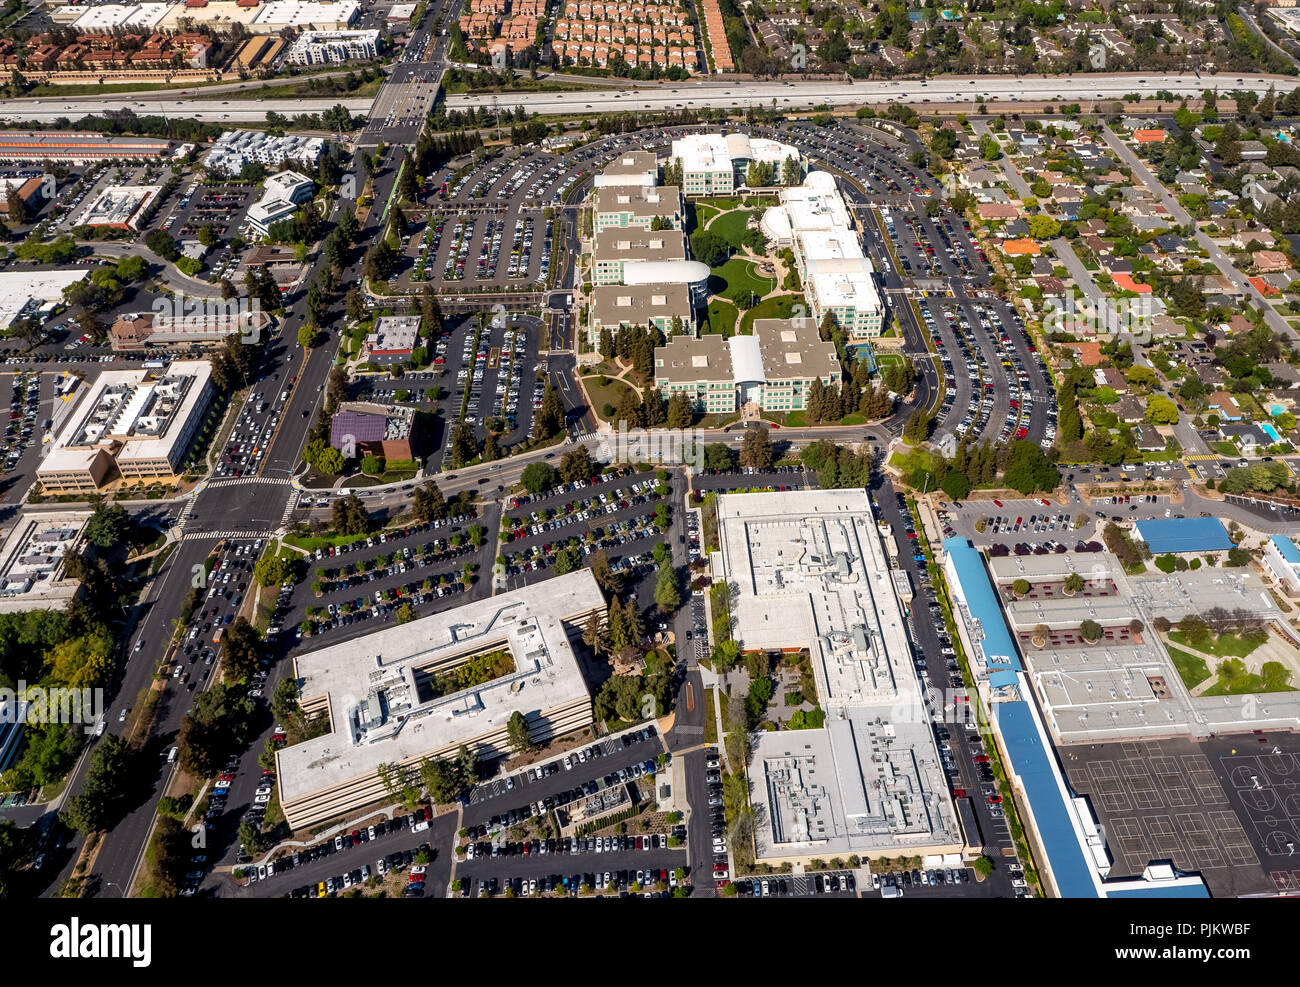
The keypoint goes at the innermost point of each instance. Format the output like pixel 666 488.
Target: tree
pixel 1161 410
pixel 241 649
pixel 518 734
pixel 680 414
pixel 756 448
pixel 982 866
pixel 428 504
pixel 709 248
pixel 108 525
pixel 1091 631
pixel 103 795
pixel 272 570
pixel 307 336
pixel 1073 583
pixel 668 594
pixel 537 477
pixel 1020 587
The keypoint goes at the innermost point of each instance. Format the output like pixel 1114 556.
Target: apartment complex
pixel 816 224
pixel 388 704
pixel 773 369
pixel 716 164
pixel 130 425
pixel 326 47
pixel 637 207
pixel 641 35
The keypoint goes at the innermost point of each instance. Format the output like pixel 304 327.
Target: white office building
pixel 814 221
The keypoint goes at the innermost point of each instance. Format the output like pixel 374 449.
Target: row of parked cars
pixel 917 878
pixel 479 849
pixel 569 795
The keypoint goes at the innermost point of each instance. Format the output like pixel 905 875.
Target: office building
pixel 283 193
pixel 389 702
pixel 773 369
pixel 810 573
pixel 637 207
pixel 129 426
pixel 814 221
pixel 717 164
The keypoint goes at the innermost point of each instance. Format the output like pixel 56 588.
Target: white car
pixel 261 799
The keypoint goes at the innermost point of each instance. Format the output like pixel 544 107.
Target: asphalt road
pixel 800 94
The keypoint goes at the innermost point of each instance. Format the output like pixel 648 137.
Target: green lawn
pixel 1191 669
pixel 1224 646
pixel 1226 449
pixel 703 214
pixel 609 393
pixel 721 317
pixel 1234 680
pixel 776 307
pixel 737 280
pixel 731 226
pixel 888 359
pixel 719 203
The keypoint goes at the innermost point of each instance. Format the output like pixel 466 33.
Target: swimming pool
pixel 1270 431
pixel 1276 409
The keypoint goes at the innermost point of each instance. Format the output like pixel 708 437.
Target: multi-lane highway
pixel 790 94
pixel 801 94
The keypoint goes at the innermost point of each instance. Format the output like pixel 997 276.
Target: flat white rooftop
pixel 18 288
pixel 31 560
pixel 810 571
pixel 376 715
pixel 142 412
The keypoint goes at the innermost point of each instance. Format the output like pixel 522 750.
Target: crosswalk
pixel 186 510
pixel 236 481
pixel 228 534
pixel 290 506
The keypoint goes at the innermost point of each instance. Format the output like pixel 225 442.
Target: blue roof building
pixel 1183 535
pixel 998 651
pixel 1286 548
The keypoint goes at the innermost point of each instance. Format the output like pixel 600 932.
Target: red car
pixel 981 758
pixel 995 799
pixel 959 793
pixel 997 503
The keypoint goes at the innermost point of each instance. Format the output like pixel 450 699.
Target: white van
pixel 171 755
pixel 888 891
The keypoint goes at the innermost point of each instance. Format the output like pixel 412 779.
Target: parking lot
pixel 614 512
pixel 366 581
pixel 993 390
pixel 221 205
